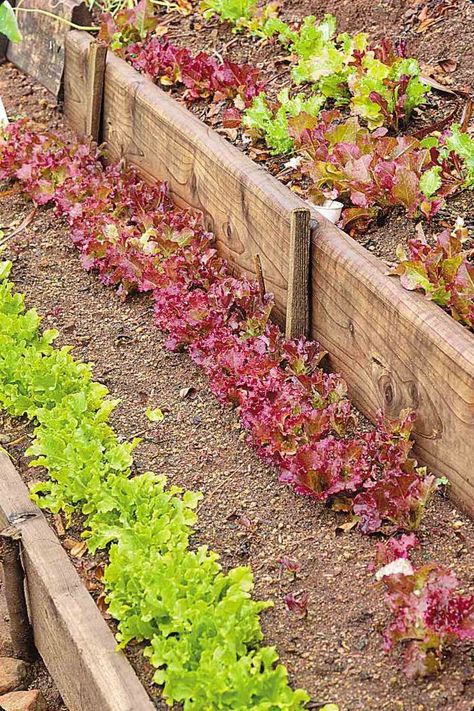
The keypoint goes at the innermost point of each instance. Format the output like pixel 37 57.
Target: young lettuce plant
pixel 232 11
pixel 456 141
pixel 444 271
pixel 323 58
pixel 128 25
pixel 269 120
pixel 380 83
pixel 8 23
pixel 129 34
pixel 385 88
pixel 430 610
pixel 372 170
pixel 298 417
pixel 245 15
pixel 202 75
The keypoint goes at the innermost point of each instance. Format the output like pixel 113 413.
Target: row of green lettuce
pixel 200 624
pixel 378 82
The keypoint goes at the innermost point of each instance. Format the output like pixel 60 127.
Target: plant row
pixel 378 82
pixel 355 158
pixel 201 625
pixel 298 417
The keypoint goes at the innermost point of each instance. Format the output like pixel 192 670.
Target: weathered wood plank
pixel 298 313
pixel 41 52
pixel 73 639
pixel 396 350
pixel 21 631
pixel 95 88
pixel 248 210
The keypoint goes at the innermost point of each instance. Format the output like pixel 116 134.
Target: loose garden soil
pixel 336 652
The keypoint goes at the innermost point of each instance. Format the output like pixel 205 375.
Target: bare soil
pixel 336 652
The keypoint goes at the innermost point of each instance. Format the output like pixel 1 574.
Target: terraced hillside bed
pixel 334 652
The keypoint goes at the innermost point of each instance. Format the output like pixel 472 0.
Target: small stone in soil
pixel 23 701
pixel 13 673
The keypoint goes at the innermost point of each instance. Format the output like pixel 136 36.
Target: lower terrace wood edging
pixel 75 642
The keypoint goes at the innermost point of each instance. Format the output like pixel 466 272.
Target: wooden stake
pixel 21 631
pixel 298 309
pixel 95 88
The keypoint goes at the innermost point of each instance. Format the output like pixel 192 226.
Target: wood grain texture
pixel 396 350
pixel 73 639
pixel 298 309
pixel 97 55
pixel 41 52
pixel 21 631
pixel 248 210
pixel 76 80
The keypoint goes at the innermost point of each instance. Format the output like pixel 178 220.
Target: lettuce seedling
pixel 231 11
pixel 130 24
pixel 373 171
pixel 429 609
pixel 380 83
pixel 444 271
pixel 270 120
pixel 202 75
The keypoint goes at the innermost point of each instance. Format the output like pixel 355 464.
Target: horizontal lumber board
pixel 247 209
pixel 41 51
pixel 70 634
pixel 396 350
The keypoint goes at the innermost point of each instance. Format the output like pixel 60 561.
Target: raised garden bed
pixel 335 652
pixel 70 634
pixel 394 348
pixel 297 228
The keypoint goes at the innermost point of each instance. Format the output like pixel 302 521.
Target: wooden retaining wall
pixel 395 349
pixel 70 634
pixel 41 52
pixel 249 212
